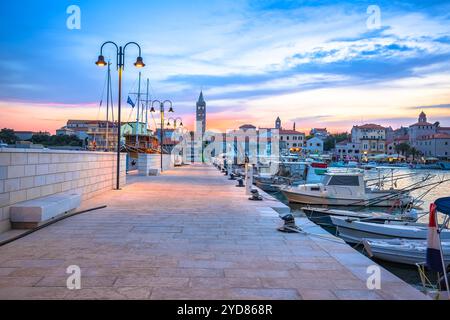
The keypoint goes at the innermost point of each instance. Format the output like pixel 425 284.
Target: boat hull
pixel 322 216
pixel 410 252
pixel 310 199
pixel 356 231
pixel 267 186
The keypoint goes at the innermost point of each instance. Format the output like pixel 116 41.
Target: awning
pixel 443 205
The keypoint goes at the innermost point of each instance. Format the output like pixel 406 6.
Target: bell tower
pixel 201 111
pixel 278 123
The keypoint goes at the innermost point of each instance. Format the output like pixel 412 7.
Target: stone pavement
pixel 187 234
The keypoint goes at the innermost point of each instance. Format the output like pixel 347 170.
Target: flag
pixel 434 254
pixel 130 102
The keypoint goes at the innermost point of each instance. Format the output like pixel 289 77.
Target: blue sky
pixel 313 62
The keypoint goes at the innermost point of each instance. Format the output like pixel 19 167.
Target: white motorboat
pixel 403 251
pixel 354 230
pixel 369 165
pixel 345 189
pixel 322 216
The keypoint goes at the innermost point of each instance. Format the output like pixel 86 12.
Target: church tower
pixel 278 123
pixel 422 117
pixel 201 111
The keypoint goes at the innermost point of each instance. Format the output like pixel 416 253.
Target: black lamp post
pixel 175 122
pixel 161 131
pixel 120 61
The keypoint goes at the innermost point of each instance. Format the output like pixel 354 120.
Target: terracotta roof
pixel 404 137
pixel 435 136
pixel 247 126
pixel 370 126
pixel 421 124
pixel 282 131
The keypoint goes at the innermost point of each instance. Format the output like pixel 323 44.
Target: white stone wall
pixel 27 174
pixel 148 162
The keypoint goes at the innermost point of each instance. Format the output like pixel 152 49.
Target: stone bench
pixel 30 214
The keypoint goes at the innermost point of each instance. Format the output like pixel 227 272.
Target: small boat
pixel 345 189
pixel 403 251
pixel 353 230
pixel 444 165
pixel 322 216
pixel 370 165
pixel 344 164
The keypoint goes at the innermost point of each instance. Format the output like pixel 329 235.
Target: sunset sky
pixel 313 62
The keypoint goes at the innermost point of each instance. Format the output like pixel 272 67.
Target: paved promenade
pixel 187 234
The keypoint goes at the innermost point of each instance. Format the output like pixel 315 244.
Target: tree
pixel 57 140
pixel 330 142
pixel 402 148
pixel 414 152
pixel 8 136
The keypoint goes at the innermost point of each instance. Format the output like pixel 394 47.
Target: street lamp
pixel 161 131
pixel 175 122
pixel 120 61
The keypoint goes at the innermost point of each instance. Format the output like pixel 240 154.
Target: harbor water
pixel 427 195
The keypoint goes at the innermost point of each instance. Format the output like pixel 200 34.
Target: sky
pixel 316 63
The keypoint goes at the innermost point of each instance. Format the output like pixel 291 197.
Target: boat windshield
pixel 343 181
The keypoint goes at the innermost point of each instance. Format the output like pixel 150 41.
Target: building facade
pixel 314 145
pixel 371 138
pixel 347 150
pixel 291 139
pixel 435 145
pixel 420 129
pixel 321 133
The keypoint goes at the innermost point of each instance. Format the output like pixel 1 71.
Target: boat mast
pixel 137 111
pixel 146 107
pixel 108 88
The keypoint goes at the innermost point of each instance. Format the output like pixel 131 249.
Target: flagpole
pixel 107 106
pixel 137 111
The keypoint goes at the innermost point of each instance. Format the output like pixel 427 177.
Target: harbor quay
pixel 188 233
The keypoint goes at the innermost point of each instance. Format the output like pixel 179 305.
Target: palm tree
pixel 414 152
pixel 402 148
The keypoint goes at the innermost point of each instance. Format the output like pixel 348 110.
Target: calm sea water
pixel 428 195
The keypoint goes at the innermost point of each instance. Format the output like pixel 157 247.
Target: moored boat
pixel 403 251
pixel 322 216
pixel 353 230
pixel 345 189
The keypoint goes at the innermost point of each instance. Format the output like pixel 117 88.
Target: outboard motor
pixel 240 183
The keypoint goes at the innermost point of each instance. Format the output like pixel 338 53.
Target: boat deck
pixel 187 234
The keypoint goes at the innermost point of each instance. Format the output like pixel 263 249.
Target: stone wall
pixel 147 162
pixel 27 174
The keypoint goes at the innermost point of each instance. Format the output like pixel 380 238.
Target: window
pixel 294 144
pixel 344 181
pixel 287 137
